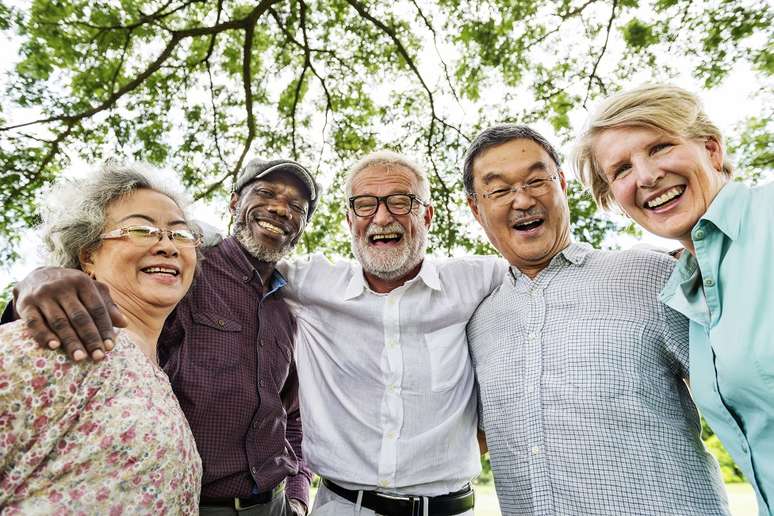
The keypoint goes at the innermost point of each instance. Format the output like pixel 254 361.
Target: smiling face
pixel 150 277
pixel 270 215
pixel 664 182
pixel 528 230
pixel 389 247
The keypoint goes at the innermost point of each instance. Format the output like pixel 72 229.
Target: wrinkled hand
pixel 66 307
pixel 297 507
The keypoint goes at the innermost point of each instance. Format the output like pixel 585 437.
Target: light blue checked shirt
pixel 583 401
pixel 727 292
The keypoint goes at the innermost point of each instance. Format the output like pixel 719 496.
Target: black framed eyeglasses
pixel 397 204
pixel 146 236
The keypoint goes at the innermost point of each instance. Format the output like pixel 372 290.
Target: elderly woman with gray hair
pixel 655 153
pixel 104 437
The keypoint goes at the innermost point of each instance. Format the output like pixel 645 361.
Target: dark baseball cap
pixel 258 168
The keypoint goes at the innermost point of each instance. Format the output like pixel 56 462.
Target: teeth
pixel 160 269
pixel 665 197
pixel 523 224
pixel 385 236
pixel 271 227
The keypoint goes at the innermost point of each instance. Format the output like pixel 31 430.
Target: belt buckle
pixel 237 504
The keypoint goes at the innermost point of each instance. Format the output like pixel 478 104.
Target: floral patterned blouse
pixel 91 438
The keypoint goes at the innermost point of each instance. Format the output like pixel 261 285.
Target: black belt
pixel 396 505
pixel 243 502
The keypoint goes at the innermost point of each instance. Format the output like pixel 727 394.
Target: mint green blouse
pixel 727 292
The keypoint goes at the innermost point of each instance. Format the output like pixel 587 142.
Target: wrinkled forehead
pixel 384 180
pixel 145 205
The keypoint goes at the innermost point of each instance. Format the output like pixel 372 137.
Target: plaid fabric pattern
pixel 228 351
pixel 583 402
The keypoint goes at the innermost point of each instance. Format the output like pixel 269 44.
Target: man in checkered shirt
pixel 582 372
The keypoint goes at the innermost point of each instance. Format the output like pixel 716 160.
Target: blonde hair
pixel 660 106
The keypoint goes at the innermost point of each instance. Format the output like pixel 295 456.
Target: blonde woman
pixel 653 152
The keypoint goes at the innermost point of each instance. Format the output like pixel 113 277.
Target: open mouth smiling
pixel 272 227
pixel 670 195
pixel 385 238
pixel 528 224
pixel 172 271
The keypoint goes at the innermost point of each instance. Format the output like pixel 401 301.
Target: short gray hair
pixel 73 210
pixel 497 135
pixel 389 160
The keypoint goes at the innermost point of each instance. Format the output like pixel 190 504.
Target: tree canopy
pixel 199 86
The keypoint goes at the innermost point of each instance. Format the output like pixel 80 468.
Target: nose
pixel 382 216
pixel 165 246
pixel 522 200
pixel 646 172
pixel 280 208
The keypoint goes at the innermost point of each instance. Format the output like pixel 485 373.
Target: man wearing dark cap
pixel 228 348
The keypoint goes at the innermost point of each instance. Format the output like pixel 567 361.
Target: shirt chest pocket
pixel 449 357
pixel 602 357
pixel 216 341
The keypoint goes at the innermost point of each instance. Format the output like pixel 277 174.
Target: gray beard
pixel 390 264
pixel 256 249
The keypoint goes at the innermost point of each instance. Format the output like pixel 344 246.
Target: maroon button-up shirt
pixel 228 351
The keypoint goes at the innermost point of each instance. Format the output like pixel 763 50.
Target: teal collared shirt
pixel 727 292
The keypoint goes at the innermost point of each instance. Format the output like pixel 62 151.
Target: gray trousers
pixel 278 506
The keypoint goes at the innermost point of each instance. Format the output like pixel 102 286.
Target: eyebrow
pixel 538 166
pixel 176 222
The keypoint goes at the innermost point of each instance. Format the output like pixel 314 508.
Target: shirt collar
pixel 573 254
pixel 428 274
pixel 724 212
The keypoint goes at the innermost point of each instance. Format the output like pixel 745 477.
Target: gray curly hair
pixel 73 210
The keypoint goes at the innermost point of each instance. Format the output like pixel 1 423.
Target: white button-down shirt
pixel 387 392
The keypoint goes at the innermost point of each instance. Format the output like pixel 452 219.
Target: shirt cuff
pixel 298 488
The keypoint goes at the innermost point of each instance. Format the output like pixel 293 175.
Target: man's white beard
pixel 390 263
pixel 256 249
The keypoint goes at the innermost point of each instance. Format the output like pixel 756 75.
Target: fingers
pixel 40 331
pixel 79 329
pixel 53 329
pixel 65 307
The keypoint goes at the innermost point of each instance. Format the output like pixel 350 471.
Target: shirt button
pixel 253 470
pixel 699 234
pixel 391 435
pixel 245 279
pixel 221 322
pixel 536 450
pixel 384 483
pixel 260 383
pixel 392 343
pixel 531 388
pixel 532 337
pixel 255 424
pixel 708 282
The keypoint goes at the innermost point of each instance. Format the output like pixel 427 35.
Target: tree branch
pixel 435 44
pixel 601 53
pixel 248 22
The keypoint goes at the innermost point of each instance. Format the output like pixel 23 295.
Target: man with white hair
pixel 387 388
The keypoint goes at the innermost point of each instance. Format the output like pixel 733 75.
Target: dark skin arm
pixel 482 442
pixel 65 307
